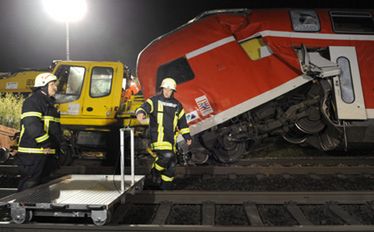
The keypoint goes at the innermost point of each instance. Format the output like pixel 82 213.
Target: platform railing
pixel 132 154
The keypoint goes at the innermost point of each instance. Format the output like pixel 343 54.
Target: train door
pixel 347 86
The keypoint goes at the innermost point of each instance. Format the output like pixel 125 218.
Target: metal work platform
pixel 77 195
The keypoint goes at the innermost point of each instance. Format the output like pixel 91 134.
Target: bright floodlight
pixel 66 10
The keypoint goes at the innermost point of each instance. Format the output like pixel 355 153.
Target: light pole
pixel 66 11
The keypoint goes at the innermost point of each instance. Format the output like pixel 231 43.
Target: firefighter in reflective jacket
pixel 167 117
pixel 40 135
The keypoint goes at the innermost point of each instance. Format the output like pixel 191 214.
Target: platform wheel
pixel 21 215
pixel 101 217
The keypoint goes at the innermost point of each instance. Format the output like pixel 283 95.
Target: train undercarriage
pixel 305 116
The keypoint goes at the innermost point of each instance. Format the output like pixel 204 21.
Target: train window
pixel 352 22
pixel 346 83
pixel 69 83
pixel 101 81
pixel 179 69
pixel 256 48
pixel 305 20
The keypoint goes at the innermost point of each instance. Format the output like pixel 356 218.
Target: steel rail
pixel 153 227
pixel 342 163
pixel 310 160
pixel 199 197
pixel 226 170
pixel 289 199
pixel 254 170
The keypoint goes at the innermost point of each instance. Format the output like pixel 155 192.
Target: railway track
pixel 265 209
pixel 310 161
pixel 235 208
pixel 229 211
pixel 8 173
pixel 315 168
pixel 90 167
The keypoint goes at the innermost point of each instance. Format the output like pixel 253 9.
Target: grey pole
pixel 122 144
pixel 67 41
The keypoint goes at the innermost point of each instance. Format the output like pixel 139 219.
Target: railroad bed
pixel 229 211
pixel 283 194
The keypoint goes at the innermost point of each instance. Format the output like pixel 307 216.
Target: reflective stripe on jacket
pixel 40 125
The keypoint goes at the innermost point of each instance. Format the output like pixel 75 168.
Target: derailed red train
pixel 246 75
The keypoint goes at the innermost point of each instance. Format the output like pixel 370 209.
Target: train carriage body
pixel 247 75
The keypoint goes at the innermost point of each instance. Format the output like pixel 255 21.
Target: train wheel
pixel 295 136
pixel 199 157
pixel 311 124
pixel 310 127
pixel 329 141
pixel 228 151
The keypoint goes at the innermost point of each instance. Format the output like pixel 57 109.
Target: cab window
pixel 101 81
pixel 69 83
pixel 178 69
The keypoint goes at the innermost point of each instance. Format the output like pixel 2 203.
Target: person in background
pixel 40 135
pixel 130 87
pixel 167 119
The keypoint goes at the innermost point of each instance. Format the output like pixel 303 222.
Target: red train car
pixel 246 75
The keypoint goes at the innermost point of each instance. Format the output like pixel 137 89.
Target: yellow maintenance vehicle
pixel 20 81
pixel 95 99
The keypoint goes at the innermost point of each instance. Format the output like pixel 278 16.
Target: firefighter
pixel 130 87
pixel 40 135
pixel 167 119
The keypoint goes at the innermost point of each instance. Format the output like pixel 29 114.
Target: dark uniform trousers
pixel 163 168
pixel 35 169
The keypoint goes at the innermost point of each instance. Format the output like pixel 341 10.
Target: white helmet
pixel 43 79
pixel 169 83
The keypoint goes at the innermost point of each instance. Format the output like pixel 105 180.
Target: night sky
pixel 112 30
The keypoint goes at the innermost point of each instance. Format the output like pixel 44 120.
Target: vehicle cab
pixel 89 93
